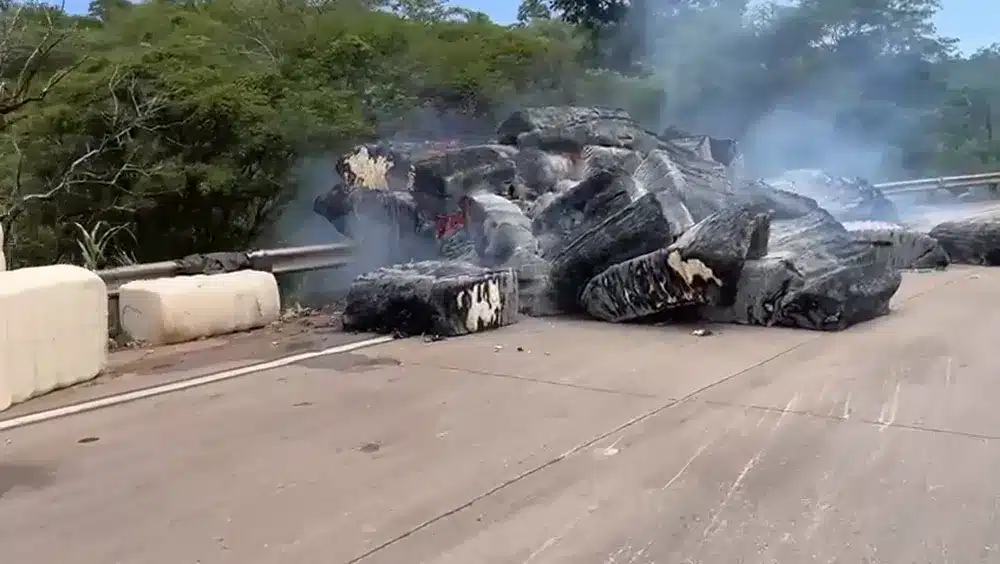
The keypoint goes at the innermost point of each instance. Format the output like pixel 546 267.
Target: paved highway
pixel 549 442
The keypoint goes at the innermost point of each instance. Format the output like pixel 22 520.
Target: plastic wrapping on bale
pixel 503 238
pixel 705 188
pixel 637 229
pixel 974 240
pixel 816 276
pixel 457 245
pixel 445 298
pixel 658 173
pixel 639 194
pixel 596 158
pixel 542 171
pixel 780 204
pixel 846 198
pixel 497 227
pixel 584 205
pixel 702 267
pixel 572 128
pixel 216 263
pixel 902 247
pixel 701 185
pixel 762 286
pixel 386 165
pixel 555 117
pixel 442 180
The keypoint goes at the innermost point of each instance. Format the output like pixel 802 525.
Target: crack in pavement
pixel 581 447
pixel 540 381
pixel 855 420
pixel 589 443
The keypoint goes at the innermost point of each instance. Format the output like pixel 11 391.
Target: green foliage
pixel 186 120
pixel 94 243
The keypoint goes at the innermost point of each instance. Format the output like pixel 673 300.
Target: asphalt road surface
pixel 549 442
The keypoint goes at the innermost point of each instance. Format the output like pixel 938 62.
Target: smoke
pixel 376 235
pixel 753 73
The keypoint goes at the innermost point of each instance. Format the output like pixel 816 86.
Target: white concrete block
pixel 3 259
pixel 185 308
pixel 53 330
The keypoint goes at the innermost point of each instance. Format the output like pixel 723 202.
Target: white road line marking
pixel 118 399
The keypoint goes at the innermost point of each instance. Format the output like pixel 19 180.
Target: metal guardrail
pixel 949 183
pixel 278 261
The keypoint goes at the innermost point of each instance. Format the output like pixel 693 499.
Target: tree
pixel 29 38
pixel 530 11
pixel 186 125
pixel 104 9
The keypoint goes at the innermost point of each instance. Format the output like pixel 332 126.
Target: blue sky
pixel 973 22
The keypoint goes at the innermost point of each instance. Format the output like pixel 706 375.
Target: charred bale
pixel 762 287
pixel 386 165
pixel 457 245
pixel 217 263
pixel 336 206
pixel 595 158
pixel 974 240
pixel 816 276
pixel 444 298
pixel 441 181
pixel 847 198
pixel 722 151
pixel 583 206
pixel 903 247
pixel 702 267
pixel 635 230
pixel 701 185
pixel 657 174
pixel 503 238
pixel 780 204
pixel 571 128
pixel 540 172
pixel 844 281
pixel 531 119
pixel 497 227
pixel 706 188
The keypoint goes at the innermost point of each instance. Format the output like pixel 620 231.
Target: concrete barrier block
pixel 3 259
pixel 185 308
pixel 53 330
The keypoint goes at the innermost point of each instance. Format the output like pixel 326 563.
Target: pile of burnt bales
pixel 582 210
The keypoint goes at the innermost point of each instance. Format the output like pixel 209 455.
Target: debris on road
pixel 974 240
pixel 446 298
pixel 582 210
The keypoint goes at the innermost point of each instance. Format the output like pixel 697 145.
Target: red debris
pixel 447 224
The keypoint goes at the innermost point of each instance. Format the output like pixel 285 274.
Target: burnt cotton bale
pixel 974 240
pixel 903 247
pixel 635 230
pixel 445 298
pixel 815 276
pixel 576 209
pixel 702 267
